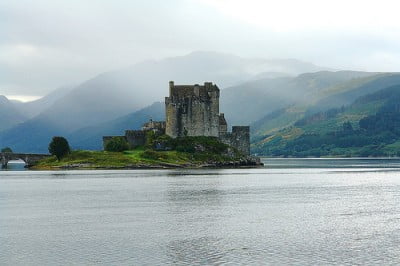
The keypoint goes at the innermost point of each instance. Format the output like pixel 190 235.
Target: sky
pixel 47 44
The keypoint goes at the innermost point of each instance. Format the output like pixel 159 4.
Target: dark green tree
pixel 347 127
pixel 117 144
pixel 6 149
pixel 59 147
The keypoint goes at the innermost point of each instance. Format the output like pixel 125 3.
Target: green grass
pixel 184 154
pixel 104 159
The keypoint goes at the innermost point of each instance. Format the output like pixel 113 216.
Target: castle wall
pixel 135 137
pixel 238 138
pixel 241 138
pixel 192 110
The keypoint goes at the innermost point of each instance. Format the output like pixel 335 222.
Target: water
pixel 277 215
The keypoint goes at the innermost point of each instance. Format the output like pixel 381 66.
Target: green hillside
pixel 251 101
pixel 336 96
pixel 370 126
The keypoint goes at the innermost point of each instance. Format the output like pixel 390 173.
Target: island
pixel 195 134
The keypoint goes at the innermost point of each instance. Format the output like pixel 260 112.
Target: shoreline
pixel 248 162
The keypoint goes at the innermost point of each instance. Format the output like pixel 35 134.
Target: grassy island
pixel 161 152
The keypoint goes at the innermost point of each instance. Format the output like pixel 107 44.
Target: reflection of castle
pixel 193 110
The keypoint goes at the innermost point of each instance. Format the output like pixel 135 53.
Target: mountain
pixel 34 108
pixel 34 135
pixel 9 114
pixel 91 137
pixel 369 126
pixel 113 94
pixel 251 101
pixel 30 136
pixel 341 94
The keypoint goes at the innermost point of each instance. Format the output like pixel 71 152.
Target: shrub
pixel 154 155
pixel 6 149
pixel 117 144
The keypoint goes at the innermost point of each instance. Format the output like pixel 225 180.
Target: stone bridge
pixel 28 158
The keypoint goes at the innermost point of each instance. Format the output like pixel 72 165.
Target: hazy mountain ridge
pixel 91 137
pixel 116 93
pixel 35 134
pixel 34 108
pixel 332 97
pixel 111 95
pixel 251 101
pixel 9 114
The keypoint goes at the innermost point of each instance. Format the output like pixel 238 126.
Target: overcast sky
pixel 46 44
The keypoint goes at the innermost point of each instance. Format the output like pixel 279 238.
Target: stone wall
pixel 192 110
pixel 241 138
pixel 135 137
pixel 238 138
pixel 29 158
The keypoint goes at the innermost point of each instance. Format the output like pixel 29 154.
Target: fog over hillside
pixel 113 94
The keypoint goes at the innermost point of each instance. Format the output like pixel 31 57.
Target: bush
pixel 117 144
pixel 154 155
pixel 6 149
pixel 59 147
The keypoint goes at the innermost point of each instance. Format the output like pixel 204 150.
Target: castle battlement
pixel 206 91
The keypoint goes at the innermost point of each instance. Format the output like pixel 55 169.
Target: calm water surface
pixel 301 212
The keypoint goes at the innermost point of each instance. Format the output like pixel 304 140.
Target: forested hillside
pixel 370 126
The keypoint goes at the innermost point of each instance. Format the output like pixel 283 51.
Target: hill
pixel 116 93
pixel 34 108
pixel 370 126
pixel 9 114
pixel 248 102
pixel 338 95
pixel 35 134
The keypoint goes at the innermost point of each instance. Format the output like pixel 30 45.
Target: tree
pixel 59 147
pixel 347 127
pixel 6 149
pixel 117 144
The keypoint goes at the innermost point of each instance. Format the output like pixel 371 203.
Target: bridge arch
pixel 28 158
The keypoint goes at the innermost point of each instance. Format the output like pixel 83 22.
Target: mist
pixel 49 44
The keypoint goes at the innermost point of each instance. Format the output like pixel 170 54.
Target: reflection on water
pixel 282 215
pixel 332 163
pixel 14 166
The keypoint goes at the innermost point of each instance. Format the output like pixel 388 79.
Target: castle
pixel 192 110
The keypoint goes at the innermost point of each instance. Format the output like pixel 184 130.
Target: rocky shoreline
pixel 246 162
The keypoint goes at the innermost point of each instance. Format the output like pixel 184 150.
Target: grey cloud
pixel 75 40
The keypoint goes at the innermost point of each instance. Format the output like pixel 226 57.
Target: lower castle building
pixel 192 110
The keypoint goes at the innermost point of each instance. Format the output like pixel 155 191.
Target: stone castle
pixel 192 110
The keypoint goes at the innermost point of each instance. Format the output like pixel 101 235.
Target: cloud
pixel 47 44
pixel 291 15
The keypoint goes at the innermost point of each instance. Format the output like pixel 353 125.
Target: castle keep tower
pixel 192 110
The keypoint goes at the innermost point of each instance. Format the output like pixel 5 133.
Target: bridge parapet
pixel 29 158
